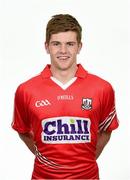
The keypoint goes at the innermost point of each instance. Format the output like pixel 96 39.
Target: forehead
pixel 64 36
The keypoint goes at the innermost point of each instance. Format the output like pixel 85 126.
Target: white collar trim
pixel 66 85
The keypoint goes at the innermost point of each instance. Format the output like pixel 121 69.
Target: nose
pixel 63 49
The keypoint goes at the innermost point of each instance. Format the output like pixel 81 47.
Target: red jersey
pixel 65 121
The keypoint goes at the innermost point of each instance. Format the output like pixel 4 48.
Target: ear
pixel 80 47
pixel 47 47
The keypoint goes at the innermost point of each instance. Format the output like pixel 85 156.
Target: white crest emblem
pixel 86 103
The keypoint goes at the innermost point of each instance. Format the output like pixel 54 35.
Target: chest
pixel 79 100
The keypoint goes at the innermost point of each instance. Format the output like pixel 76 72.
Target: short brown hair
pixel 62 23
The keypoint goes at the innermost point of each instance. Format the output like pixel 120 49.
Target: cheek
pixel 53 54
pixel 78 50
pixel 53 51
pixel 75 52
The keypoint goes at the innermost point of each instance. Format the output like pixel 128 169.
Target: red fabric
pixel 69 118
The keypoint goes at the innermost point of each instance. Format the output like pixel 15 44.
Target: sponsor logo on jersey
pixel 66 130
pixel 86 103
pixel 65 97
pixel 41 103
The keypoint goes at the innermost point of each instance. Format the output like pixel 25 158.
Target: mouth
pixel 63 57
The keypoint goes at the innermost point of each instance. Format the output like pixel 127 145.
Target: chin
pixel 63 68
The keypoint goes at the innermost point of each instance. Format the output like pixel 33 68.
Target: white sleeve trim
pixel 105 124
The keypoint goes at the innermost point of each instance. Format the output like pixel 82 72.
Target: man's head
pixel 63 41
pixel 63 23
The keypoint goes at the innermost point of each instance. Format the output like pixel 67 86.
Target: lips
pixel 63 57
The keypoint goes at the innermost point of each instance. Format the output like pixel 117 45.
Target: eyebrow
pixel 54 42
pixel 74 42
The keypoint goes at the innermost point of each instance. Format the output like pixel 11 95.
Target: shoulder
pixel 29 84
pixel 98 82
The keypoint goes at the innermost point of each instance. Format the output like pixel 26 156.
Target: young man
pixel 65 115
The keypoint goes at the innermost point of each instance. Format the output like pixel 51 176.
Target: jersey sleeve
pixel 109 120
pixel 20 116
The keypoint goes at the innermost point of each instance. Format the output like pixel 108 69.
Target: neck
pixel 64 75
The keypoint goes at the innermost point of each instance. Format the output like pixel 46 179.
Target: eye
pixel 70 43
pixel 55 43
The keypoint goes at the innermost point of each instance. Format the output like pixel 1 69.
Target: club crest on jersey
pixel 86 103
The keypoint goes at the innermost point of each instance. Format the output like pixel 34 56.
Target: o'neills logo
pixel 62 130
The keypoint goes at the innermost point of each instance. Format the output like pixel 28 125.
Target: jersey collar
pixel 81 72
